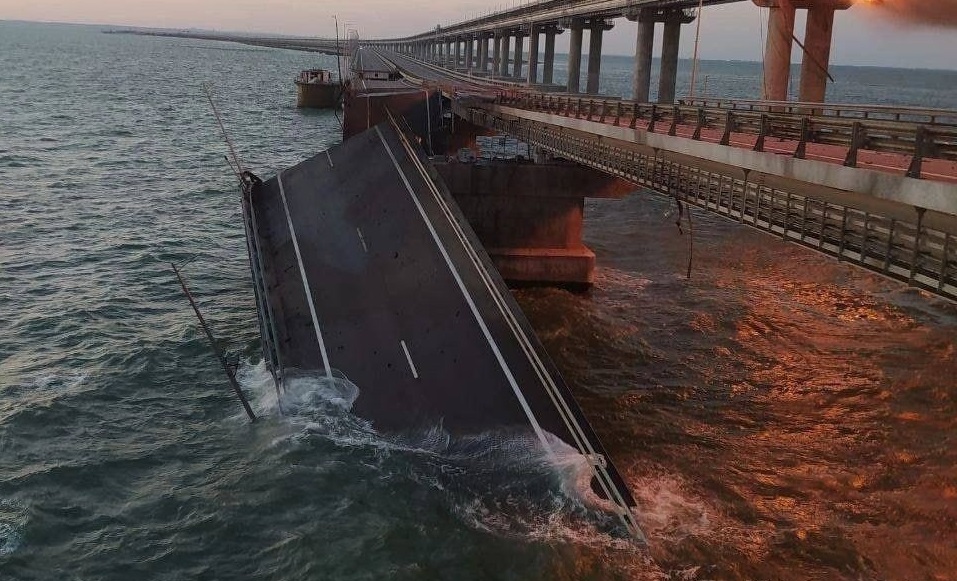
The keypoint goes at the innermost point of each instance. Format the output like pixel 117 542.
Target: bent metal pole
pixel 212 344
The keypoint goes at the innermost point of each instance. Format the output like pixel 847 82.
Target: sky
pixel 866 34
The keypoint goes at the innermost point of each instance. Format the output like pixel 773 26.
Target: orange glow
pixel 936 13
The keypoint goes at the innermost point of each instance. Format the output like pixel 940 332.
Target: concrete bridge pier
pixel 596 30
pixel 533 34
pixel 458 53
pixel 575 56
pixel 548 66
pixel 496 54
pixel 483 53
pixel 503 51
pixel 644 49
pixel 668 75
pixel 469 60
pixel 817 43
pixel 519 56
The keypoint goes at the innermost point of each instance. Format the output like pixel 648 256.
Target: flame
pixel 930 12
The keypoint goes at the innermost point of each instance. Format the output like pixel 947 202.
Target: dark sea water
pixel 779 415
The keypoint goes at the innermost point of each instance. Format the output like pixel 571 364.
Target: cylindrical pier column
pixel 668 76
pixel 548 67
pixel 469 62
pixel 777 55
pixel 503 65
pixel 817 55
pixel 496 54
pixel 575 56
pixel 458 54
pixel 519 55
pixel 644 48
pixel 483 53
pixel 533 54
pixel 594 56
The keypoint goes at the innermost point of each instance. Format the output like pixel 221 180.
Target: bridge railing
pixel 912 251
pixel 797 124
pixel 926 115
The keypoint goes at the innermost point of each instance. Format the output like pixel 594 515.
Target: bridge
pixel 382 262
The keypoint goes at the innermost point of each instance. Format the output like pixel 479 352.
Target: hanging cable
pixel 694 60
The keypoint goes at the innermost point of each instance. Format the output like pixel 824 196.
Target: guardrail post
pixel 702 121
pixel 765 126
pixel 923 145
pixel 654 117
pixel 634 115
pixel 801 151
pixel 675 118
pixel 618 112
pixel 915 258
pixel 728 127
pixel 944 263
pixel 858 140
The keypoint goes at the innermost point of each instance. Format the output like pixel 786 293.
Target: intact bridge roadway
pixel 874 186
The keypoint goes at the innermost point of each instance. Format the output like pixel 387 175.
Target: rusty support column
pixel 817 56
pixel 777 55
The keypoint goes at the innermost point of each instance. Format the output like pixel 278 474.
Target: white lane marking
pixel 468 298
pixel 362 239
pixel 408 358
pixel 305 280
pixel 571 422
pixel 329 157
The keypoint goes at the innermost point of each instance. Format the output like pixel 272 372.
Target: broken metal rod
pixel 215 348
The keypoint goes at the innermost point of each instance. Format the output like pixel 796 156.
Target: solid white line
pixel 362 239
pixel 408 358
pixel 305 281
pixel 468 298
pixel 329 157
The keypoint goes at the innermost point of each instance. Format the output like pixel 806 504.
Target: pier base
pixel 529 216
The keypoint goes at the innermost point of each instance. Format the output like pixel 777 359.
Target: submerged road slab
pixel 371 271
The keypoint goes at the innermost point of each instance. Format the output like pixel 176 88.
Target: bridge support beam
pixel 519 56
pixel 597 29
pixel 777 54
pixel 817 56
pixel 533 34
pixel 532 228
pixel 575 56
pixel 668 76
pixel 496 54
pixel 503 64
pixel 548 66
pixel 458 53
pixel 469 61
pixel 644 49
pixel 483 53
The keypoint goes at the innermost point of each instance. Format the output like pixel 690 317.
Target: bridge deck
pixel 369 269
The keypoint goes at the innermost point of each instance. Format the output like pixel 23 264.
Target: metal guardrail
pixel 926 115
pixel 907 251
pixel 802 124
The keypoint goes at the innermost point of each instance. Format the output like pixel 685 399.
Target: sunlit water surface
pixel 778 416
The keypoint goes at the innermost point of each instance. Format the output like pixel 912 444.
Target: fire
pixel 931 12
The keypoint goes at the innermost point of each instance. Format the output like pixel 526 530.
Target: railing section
pixel 906 251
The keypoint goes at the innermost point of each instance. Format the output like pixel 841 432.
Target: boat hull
pixel 316 95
